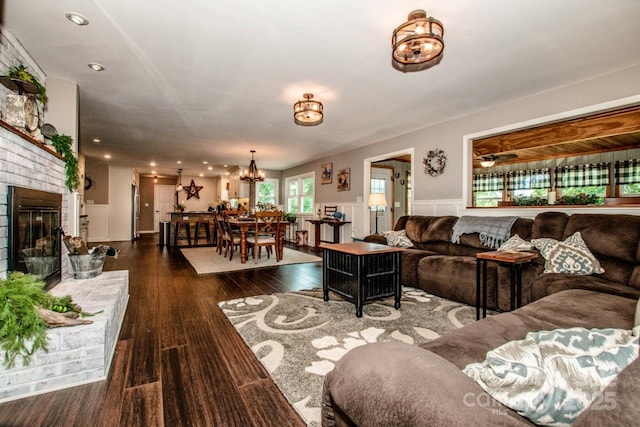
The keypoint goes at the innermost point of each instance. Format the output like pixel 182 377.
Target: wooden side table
pixel 361 272
pixel 515 261
pixel 335 224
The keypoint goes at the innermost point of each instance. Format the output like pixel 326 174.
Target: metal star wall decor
pixel 193 190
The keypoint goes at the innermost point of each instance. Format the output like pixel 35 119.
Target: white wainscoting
pixel 98 216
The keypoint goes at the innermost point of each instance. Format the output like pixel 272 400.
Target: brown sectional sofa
pixel 398 384
pixel 447 269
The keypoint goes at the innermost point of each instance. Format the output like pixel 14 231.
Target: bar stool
pixel 200 225
pixel 186 227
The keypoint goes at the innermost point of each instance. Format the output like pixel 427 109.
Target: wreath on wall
pixel 434 162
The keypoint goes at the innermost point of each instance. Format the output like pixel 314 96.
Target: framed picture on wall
pixel 326 173
pixel 343 179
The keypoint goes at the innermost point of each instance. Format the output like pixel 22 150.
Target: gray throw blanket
pixel 493 230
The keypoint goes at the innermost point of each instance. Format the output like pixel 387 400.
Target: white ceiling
pixel 207 80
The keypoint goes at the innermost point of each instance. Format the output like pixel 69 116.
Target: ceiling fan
pixel 492 159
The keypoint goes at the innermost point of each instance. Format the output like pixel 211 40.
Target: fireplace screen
pixel 34 233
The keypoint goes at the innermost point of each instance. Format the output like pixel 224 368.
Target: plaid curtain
pixel 528 179
pixel 488 182
pixel 628 171
pixel 582 175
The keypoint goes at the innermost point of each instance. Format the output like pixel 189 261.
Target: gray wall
pixel 448 136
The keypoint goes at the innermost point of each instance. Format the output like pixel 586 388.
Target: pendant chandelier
pixel 179 184
pixel 252 174
pixel 308 112
pixel 418 43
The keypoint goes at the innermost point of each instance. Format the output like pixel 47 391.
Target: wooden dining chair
pixel 231 240
pixel 268 233
pixel 220 242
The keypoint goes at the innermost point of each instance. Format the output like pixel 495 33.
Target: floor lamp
pixel 377 200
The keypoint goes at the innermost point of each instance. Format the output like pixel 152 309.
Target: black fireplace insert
pixel 35 230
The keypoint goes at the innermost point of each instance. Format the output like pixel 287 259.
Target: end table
pixel 514 260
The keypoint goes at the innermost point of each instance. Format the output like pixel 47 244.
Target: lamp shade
pixel 377 199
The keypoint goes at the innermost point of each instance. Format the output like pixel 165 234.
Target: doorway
pixel 163 196
pixel 401 200
pixel 382 217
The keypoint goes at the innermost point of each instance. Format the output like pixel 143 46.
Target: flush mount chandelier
pixel 308 112
pixel 418 43
pixel 252 174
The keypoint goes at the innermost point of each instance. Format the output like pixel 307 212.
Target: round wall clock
pixel 434 162
pixel 31 114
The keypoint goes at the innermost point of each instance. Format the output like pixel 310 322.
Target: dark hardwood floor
pixel 178 360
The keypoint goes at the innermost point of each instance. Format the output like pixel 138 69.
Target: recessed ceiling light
pixel 152 164
pixel 179 162
pixel 201 175
pixel 96 67
pixel 107 156
pixel 76 18
pixel 153 172
pixel 225 166
pixel 210 168
pixel 204 162
pixel 96 140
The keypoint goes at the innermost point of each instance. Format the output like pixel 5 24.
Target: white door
pixel 164 199
pixel 381 182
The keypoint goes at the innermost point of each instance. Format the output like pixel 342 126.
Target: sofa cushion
pixel 550 377
pixel 551 283
pixel 398 238
pixel 569 256
pixel 549 225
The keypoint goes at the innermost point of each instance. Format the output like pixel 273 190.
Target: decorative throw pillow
pixel 398 238
pixel 516 243
pixel 550 377
pixel 569 256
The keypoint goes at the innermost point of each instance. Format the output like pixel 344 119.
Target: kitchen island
pixel 190 219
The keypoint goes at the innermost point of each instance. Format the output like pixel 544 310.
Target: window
pixel 267 191
pixel 487 189
pixel 590 180
pixel 300 193
pixel 628 177
pixel 529 183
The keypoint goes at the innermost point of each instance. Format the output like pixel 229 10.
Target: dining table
pixel 246 224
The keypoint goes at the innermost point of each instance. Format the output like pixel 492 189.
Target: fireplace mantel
pixel 28 138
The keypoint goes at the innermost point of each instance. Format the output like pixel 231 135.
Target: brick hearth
pixel 77 354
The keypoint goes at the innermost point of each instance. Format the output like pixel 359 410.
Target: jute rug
pixel 206 260
pixel 298 337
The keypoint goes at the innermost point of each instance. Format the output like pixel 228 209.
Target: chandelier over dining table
pixel 252 174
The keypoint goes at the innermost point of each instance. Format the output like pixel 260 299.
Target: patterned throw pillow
pixel 550 377
pixel 398 238
pixel 516 243
pixel 570 256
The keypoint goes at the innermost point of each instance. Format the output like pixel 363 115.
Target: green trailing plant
pixel 62 144
pixel 580 199
pixel 22 328
pixel 289 217
pixel 22 73
pixel 529 201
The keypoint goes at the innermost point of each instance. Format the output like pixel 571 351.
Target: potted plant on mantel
pixel 20 80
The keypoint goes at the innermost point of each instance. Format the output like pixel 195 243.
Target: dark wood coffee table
pixel 361 272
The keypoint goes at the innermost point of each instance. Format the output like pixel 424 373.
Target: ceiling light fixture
pixel 487 163
pixel 179 186
pixel 252 174
pixel 96 67
pixel 76 18
pixel 308 112
pixel 418 43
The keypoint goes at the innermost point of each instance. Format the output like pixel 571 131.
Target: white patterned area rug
pixel 298 337
pixel 207 260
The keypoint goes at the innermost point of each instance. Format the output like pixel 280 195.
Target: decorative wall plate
pixel 434 162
